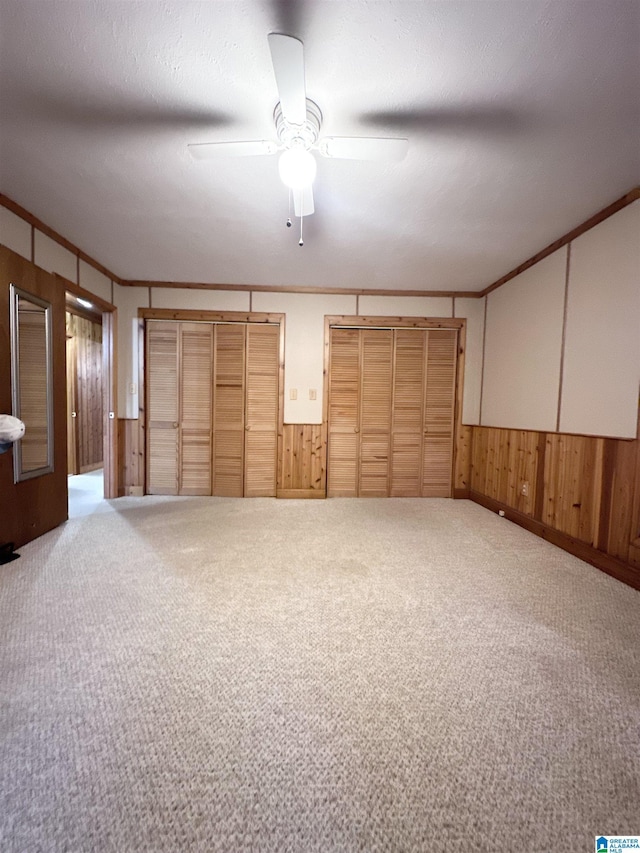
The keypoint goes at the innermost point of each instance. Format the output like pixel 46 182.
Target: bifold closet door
pixel 391 412
pixel 376 378
pixel 407 414
pixel 439 413
pixel 360 385
pixel 228 410
pixel 194 434
pixel 180 400
pixel 261 410
pixel 163 405
pixel 343 449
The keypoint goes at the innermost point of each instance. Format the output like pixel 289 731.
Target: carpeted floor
pixel 204 674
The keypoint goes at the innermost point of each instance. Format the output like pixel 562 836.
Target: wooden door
pixel 228 410
pixel 343 462
pixel 195 387
pixel 376 373
pixel 87 338
pixel 72 404
pixel 33 506
pixel 162 408
pixel 439 413
pixel 261 410
pixel 407 416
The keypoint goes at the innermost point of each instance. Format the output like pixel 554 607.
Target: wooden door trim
pixel 109 382
pixel 364 322
pixel 210 316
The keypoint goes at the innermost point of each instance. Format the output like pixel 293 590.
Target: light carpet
pixel 209 674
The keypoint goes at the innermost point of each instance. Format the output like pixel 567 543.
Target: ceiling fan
pixel 298 121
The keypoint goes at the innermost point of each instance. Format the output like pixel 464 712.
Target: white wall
pixel 523 346
pixel 127 300
pixel 15 233
pixel 473 311
pixel 202 300
pixel 602 342
pixel 589 385
pixel 405 306
pixel 304 347
pixel 53 257
pixel 95 281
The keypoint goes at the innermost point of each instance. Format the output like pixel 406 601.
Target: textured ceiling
pixel 523 120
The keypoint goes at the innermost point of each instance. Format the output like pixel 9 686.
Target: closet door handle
pixel 247 427
pixel 175 424
pixel 356 429
pixel 74 414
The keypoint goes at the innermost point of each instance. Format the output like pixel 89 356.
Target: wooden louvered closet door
pixel 228 411
pixel 196 357
pixel 343 450
pixel 391 412
pixel 375 411
pixel 261 410
pixel 213 404
pixel 439 413
pixel 162 408
pixel 407 416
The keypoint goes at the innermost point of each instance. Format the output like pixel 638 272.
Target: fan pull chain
pixel 301 241
pixel 289 217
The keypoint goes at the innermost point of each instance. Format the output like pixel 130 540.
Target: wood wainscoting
pixel 302 470
pixel 130 458
pixel 581 493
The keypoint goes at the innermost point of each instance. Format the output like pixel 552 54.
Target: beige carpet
pixel 189 674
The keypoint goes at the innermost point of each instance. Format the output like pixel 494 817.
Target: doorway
pixel 90 395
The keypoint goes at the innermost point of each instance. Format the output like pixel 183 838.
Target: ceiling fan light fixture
pixel 297 168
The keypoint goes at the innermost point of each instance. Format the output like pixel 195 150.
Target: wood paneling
pixel 503 461
pixel 85 392
pixel 130 458
pixel 462 464
pixel 302 468
pixel 583 492
pixel 572 485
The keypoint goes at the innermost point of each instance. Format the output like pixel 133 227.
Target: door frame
pixel 459 324
pixel 193 315
pixel 109 382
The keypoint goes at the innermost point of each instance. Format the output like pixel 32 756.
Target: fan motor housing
pixel 305 134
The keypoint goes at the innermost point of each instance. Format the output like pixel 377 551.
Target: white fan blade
pixel 287 56
pixel 364 148
pixel 212 150
pixel 303 201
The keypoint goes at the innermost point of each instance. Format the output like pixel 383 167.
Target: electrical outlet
pixel 525 489
pixel 133 388
pixel 312 393
pixel 293 393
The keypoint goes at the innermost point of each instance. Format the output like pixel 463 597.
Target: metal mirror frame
pixel 17 293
